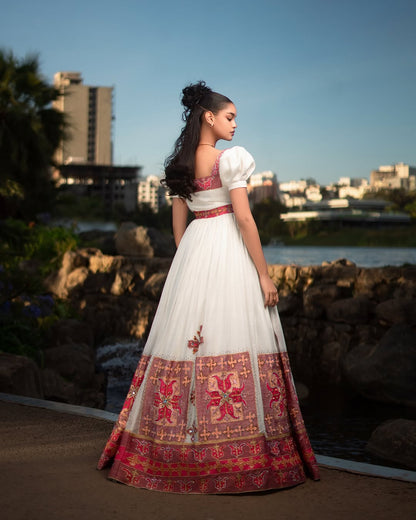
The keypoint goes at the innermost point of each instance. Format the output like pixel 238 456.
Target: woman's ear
pixel 209 117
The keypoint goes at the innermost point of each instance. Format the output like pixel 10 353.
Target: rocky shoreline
pixel 345 326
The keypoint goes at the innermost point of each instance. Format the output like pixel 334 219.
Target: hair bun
pixel 192 94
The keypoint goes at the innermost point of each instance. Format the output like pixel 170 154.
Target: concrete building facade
pixel 89 112
pixel 151 192
pixel 394 176
pixel 263 186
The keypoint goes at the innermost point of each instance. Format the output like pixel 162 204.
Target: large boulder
pixel 395 441
pixel 20 375
pixel 385 372
pixel 133 240
pixel 57 388
pixel 397 310
pixel 73 362
pixel 318 297
pixel 71 331
pixel 350 310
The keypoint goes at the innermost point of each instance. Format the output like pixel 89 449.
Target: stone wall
pixel 344 325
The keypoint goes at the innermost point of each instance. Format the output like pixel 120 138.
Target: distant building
pixel 353 188
pixel 313 193
pixel 151 192
pixel 352 212
pixel 293 186
pixel 89 112
pixel 263 186
pixel 394 176
pixel 115 185
pixel 292 201
pixel 85 157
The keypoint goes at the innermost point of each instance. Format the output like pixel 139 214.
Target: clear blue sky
pixel 323 88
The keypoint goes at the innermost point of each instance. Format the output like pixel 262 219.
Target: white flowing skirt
pixel 212 407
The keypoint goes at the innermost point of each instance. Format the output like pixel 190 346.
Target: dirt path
pixel 47 471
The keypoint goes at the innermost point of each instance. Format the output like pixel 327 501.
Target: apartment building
pixel 394 176
pixel 89 112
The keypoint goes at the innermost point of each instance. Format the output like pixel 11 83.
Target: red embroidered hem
pixel 230 454
pixel 216 212
pixel 244 465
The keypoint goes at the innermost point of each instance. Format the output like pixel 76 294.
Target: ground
pixel 47 471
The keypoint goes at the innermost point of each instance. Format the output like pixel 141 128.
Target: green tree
pixel 30 131
pixel 267 216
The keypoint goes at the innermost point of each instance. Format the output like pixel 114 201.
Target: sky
pixel 323 88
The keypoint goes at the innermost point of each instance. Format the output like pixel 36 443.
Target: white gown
pixel 212 406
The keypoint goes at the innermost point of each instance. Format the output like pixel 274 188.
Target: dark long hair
pixel 180 165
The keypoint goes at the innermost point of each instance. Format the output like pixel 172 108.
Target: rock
pixel 331 356
pixel 385 372
pixel 73 362
pixel 377 283
pixel 397 310
pixel 122 283
pixel 395 441
pixel 75 278
pixel 288 304
pixel 71 331
pixel 56 282
pixel 317 298
pixel 20 375
pixel 133 240
pixel 154 285
pixel 56 388
pixel 340 262
pixel 349 310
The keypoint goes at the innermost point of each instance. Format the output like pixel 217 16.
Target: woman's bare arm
pixel 250 234
pixel 179 218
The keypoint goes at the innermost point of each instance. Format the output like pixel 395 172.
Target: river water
pixel 361 256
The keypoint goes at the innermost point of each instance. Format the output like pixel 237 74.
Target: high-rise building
pixel 89 112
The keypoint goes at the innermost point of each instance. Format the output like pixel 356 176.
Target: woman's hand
pixel 269 291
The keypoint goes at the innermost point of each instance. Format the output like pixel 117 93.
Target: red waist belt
pixel 216 212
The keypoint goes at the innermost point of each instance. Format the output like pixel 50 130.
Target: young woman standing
pixel 212 407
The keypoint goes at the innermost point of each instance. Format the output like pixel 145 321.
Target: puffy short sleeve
pixel 236 166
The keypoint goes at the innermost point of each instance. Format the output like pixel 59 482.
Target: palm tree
pixel 30 131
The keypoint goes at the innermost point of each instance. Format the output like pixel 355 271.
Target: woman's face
pixel 224 122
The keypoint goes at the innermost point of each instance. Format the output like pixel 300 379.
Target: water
pixel 118 361
pixel 361 256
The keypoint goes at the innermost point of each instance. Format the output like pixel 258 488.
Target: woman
pixel 212 406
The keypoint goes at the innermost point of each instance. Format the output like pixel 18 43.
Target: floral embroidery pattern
pixel 224 398
pixel 166 401
pixel 196 341
pixel 278 394
pixel 209 467
pixel 213 181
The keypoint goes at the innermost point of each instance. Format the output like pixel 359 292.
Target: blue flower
pixel 32 311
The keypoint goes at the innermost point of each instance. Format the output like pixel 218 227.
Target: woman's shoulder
pixel 235 150
pixel 236 165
